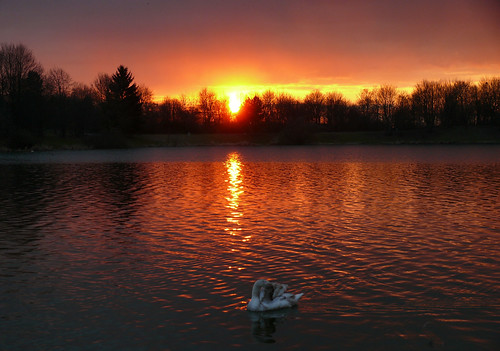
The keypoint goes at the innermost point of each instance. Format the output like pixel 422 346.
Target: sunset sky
pixel 180 47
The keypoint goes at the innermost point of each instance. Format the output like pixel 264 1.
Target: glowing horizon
pixel 293 47
pixel 300 90
pixel 235 101
pixel 241 92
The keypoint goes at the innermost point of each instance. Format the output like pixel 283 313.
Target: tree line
pixel 35 103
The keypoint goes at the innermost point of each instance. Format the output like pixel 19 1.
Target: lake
pixel 394 248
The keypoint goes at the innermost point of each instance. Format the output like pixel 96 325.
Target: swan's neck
pixel 257 287
pixel 256 291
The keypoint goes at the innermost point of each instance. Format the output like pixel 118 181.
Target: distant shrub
pixel 111 140
pixel 296 134
pixel 21 141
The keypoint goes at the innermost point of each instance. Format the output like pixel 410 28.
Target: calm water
pixel 157 249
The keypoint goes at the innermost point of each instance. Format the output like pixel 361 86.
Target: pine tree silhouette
pixel 123 102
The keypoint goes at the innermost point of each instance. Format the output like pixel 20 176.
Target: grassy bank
pixel 474 135
pixel 438 136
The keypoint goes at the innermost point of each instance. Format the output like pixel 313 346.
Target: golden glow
pixel 237 92
pixel 234 102
pixel 235 189
pixel 297 90
pixel 233 167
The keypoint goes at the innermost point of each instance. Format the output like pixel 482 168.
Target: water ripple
pixel 402 249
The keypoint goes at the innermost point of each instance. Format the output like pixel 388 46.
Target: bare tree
pixel 170 110
pixel 83 116
pixel 367 104
pixel 81 91
pixel 336 109
pixel 402 115
pixel 207 105
pixel 101 86
pixel 489 100
pixel 386 96
pixel 222 112
pixel 146 94
pixel 58 82
pixel 427 102
pixel 286 108
pixel 268 106
pixel 458 103
pixel 146 99
pixel 16 62
pixel 176 115
pixel 314 106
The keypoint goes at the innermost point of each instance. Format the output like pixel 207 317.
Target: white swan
pixel 268 296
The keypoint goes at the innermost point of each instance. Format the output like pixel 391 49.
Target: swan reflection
pixel 264 323
pixel 235 189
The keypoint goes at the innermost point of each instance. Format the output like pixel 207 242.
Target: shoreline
pixel 453 136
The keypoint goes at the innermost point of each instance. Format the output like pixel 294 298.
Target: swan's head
pixel 257 286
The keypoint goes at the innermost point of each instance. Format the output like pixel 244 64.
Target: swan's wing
pixel 271 296
pixel 286 300
pixel 281 302
pixel 279 289
pixel 291 297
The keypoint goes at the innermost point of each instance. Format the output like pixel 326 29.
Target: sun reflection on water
pixel 235 190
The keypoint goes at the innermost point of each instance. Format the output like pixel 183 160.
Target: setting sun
pixel 234 102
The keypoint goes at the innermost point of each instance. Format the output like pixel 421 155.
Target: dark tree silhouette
pixel 207 105
pixel 58 82
pixel 20 74
pixel 368 109
pixel 403 118
pixel 123 102
pixel 83 110
pixel 336 111
pixel 16 62
pixel 173 115
pixel 489 101
pixel 101 85
pixel 30 108
pixel 426 99
pixel 34 105
pixel 458 100
pixel 314 106
pixel 386 97
pixel 268 107
pixel 287 108
pixel 250 114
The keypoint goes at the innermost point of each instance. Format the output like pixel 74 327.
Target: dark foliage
pixel 250 116
pixel 34 105
pixel 123 107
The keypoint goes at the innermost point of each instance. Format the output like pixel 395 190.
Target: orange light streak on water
pixel 235 190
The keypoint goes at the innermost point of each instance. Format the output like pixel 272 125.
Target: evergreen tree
pixel 123 102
